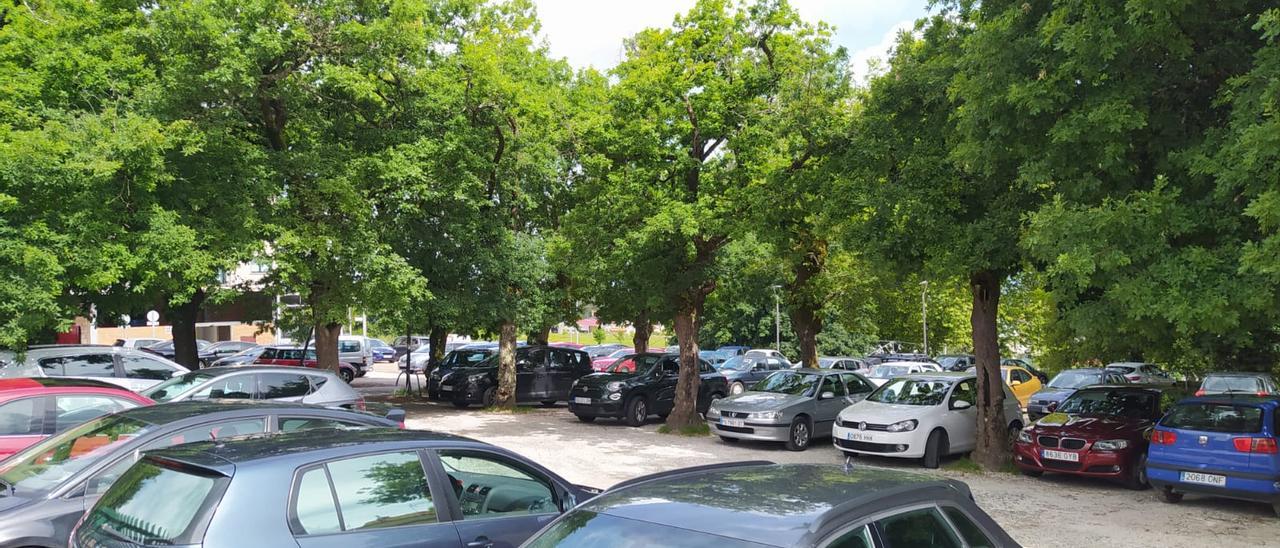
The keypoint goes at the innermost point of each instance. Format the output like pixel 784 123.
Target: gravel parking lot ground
pixel 1051 511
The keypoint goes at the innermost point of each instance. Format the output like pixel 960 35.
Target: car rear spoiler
pixel 386 411
pixel 689 470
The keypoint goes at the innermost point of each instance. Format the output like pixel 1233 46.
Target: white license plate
pixel 582 401
pixel 859 436
pixel 1204 479
pixel 1060 455
pixel 739 423
pixel 446 388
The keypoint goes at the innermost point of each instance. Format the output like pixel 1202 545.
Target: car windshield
pixel 905 391
pixel 1075 379
pixel 44 466
pixel 1111 403
pixel 889 371
pixel 1215 417
pixel 789 382
pixel 176 386
pixel 599 351
pixel 465 358
pixel 948 361
pixel 633 364
pixel 741 363
pixel 1231 384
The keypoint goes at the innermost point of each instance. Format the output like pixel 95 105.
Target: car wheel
pixel 585 418
pixel 347 375
pixel 490 397
pixel 1031 473
pixel 800 435
pixel 729 439
pixel 637 411
pixel 548 403
pixel 935 448
pixel 737 388
pixel 1169 496
pixel 1012 434
pixel 1137 478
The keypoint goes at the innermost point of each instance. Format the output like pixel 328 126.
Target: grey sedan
pixel 279 383
pixel 792 407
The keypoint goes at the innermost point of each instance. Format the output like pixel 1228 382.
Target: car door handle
pixel 480 542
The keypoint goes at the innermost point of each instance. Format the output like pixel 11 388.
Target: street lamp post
pixel 924 313
pixel 777 319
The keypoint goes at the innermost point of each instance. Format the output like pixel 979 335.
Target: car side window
pixel 212 431
pixel 228 387
pixel 966 392
pixel 530 359
pixel 972 534
pixel 831 383
pixel 361 493
pixel 477 477
pixel 24 417
pixel 704 367
pixel 671 367
pixel 348 346
pixel 923 527
pixel 77 409
pixel 142 367
pixel 855 384
pixel 88 365
pixel 560 360
pixel 282 385
pixel 857 538
pixel 293 424
pixel 1019 375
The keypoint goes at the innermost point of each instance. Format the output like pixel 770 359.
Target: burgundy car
pixel 34 408
pixel 1100 431
pixel 292 356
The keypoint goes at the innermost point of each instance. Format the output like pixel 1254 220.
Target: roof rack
pixel 689 470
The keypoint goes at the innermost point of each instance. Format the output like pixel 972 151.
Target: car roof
pixel 1084 370
pixel 1134 387
pixel 176 411
pixel 1233 399
pixel 229 369
pixel 304 444
pixel 944 375
pixel 765 503
pixel 902 362
pixel 1251 374
pixel 26 383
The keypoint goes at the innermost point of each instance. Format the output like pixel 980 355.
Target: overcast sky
pixel 590 32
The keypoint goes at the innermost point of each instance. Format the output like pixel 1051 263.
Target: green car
pixel 640 385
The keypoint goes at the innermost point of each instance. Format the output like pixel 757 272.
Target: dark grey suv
pixel 761 504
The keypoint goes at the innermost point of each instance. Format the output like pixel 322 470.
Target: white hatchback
pixel 929 416
pixel 882 373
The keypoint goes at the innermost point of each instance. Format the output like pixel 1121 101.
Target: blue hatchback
pixel 1221 446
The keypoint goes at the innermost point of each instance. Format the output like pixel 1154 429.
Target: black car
pixel 166 348
pixel 467 356
pixel 640 385
pixel 543 374
pixel 49 485
pixel 333 488
pixel 748 505
pixel 223 349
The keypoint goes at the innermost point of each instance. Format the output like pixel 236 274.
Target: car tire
pixel 1170 496
pixel 935 448
pixel 586 418
pixel 490 397
pixel 1031 473
pixel 347 375
pixel 1012 434
pixel 737 388
pixel 636 411
pixel 1137 478
pixel 800 434
pixel 548 403
pixel 728 439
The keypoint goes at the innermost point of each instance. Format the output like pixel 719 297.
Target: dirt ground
pixel 1050 511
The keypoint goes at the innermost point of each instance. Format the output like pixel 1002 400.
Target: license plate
pixel 582 401
pixel 1204 479
pixel 446 388
pixel 859 436
pixel 1060 455
pixel 732 422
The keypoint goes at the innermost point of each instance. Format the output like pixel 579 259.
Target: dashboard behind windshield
pixel 911 392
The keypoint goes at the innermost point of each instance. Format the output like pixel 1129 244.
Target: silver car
pixel 275 383
pixel 789 406
pixel 118 365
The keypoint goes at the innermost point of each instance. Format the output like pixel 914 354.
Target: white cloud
pixel 874 59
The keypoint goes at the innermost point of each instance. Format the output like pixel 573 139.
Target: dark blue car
pixel 1219 446
pixel 330 488
pixel 1065 384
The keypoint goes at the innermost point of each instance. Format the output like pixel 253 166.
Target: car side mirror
pixel 1015 382
pixel 960 405
pixel 827 395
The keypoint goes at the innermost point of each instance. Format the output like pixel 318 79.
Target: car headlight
pixel 766 416
pixel 477 377
pixel 903 426
pixel 1024 436
pixel 713 411
pixel 614 386
pixel 1111 445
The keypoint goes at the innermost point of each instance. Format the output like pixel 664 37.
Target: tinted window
pixel 1018 375
pixel 141 367
pixel 561 360
pixel 1112 403
pixel 856 384
pixel 73 410
pixel 583 529
pixel 857 538
pixel 302 423
pixel 151 505
pixel 832 384
pixel 704 367
pixel 1223 385
pixel 313 505
pixel 282 385
pixel 22 417
pixel 89 365
pixel 531 358
pixel 269 354
pixel 915 529
pixel 1214 417
pixel 376 491
pixel 670 367
pixel 214 431
pixel 973 535
pixel 478 473
pixel 348 346
pixel 227 387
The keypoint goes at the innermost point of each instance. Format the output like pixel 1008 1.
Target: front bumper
pixel 758 431
pixel 908 445
pixel 597 408
pixel 1258 488
pixel 467 393
pixel 1098 464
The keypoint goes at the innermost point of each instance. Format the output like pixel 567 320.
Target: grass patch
pixel 514 410
pixel 963 464
pixel 694 430
pixel 401 392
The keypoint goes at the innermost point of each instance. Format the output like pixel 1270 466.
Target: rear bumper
pixel 1254 487
pixel 752 431
pixel 1100 464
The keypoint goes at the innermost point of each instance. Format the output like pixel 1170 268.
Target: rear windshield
pixel 176 386
pixel 152 505
pixel 584 529
pixel 1123 369
pixel 1215 417
pixel 1227 385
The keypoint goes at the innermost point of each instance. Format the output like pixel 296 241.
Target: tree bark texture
pixel 183 317
pixel 437 338
pixel 804 309
pixel 685 412
pixel 541 337
pixel 327 346
pixel 506 396
pixel 992 451
pixel 644 330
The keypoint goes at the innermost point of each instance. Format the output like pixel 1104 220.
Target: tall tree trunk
pixel 438 338
pixel 685 411
pixel 806 323
pixel 183 317
pixel 506 365
pixel 644 330
pixel 992 452
pixel 327 345
pixel 542 336
pixel 804 306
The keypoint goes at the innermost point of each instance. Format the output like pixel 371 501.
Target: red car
pixel 292 356
pixel 1100 431
pixel 600 363
pixel 32 409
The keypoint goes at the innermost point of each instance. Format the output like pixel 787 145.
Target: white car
pixel 882 373
pixel 768 353
pixel 1142 373
pixel 927 416
pixel 137 343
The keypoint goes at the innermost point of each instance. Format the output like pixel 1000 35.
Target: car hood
pixel 884 413
pixel 1053 394
pixel 1079 426
pixel 464 372
pixel 750 402
pixel 601 379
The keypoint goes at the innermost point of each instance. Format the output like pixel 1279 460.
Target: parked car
pixel 600 363
pixel 467 356
pixel 732 350
pixel 634 393
pixel 165 348
pixel 792 407
pixel 1259 384
pixel 713 357
pixel 957 362
pixel 598 350
pixel 291 356
pixel 382 352
pixel 1222 446
pixel 884 372
pixel 1099 431
pixel 375 487
pixel 243 357
pixel 118 365
pixel 574 346
pixel 223 349
pixel 1022 382
pixel 879 358
pixel 416 343
pixel 32 409
pixel 1044 377
pixel 357 351
pixel 543 374
pixel 137 343
pixel 52 483
pixel 844 363
pixel 1065 384
pixel 744 371
pixel 767 353
pixel 926 415
pixel 282 384
pixel 1142 373
pixel 745 505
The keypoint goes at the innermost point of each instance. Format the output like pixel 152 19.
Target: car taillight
pixel 1163 437
pixel 1255 445
pixel 1263 393
pixel 1133 378
pixel 360 404
pixel 1200 392
pixel 401 425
